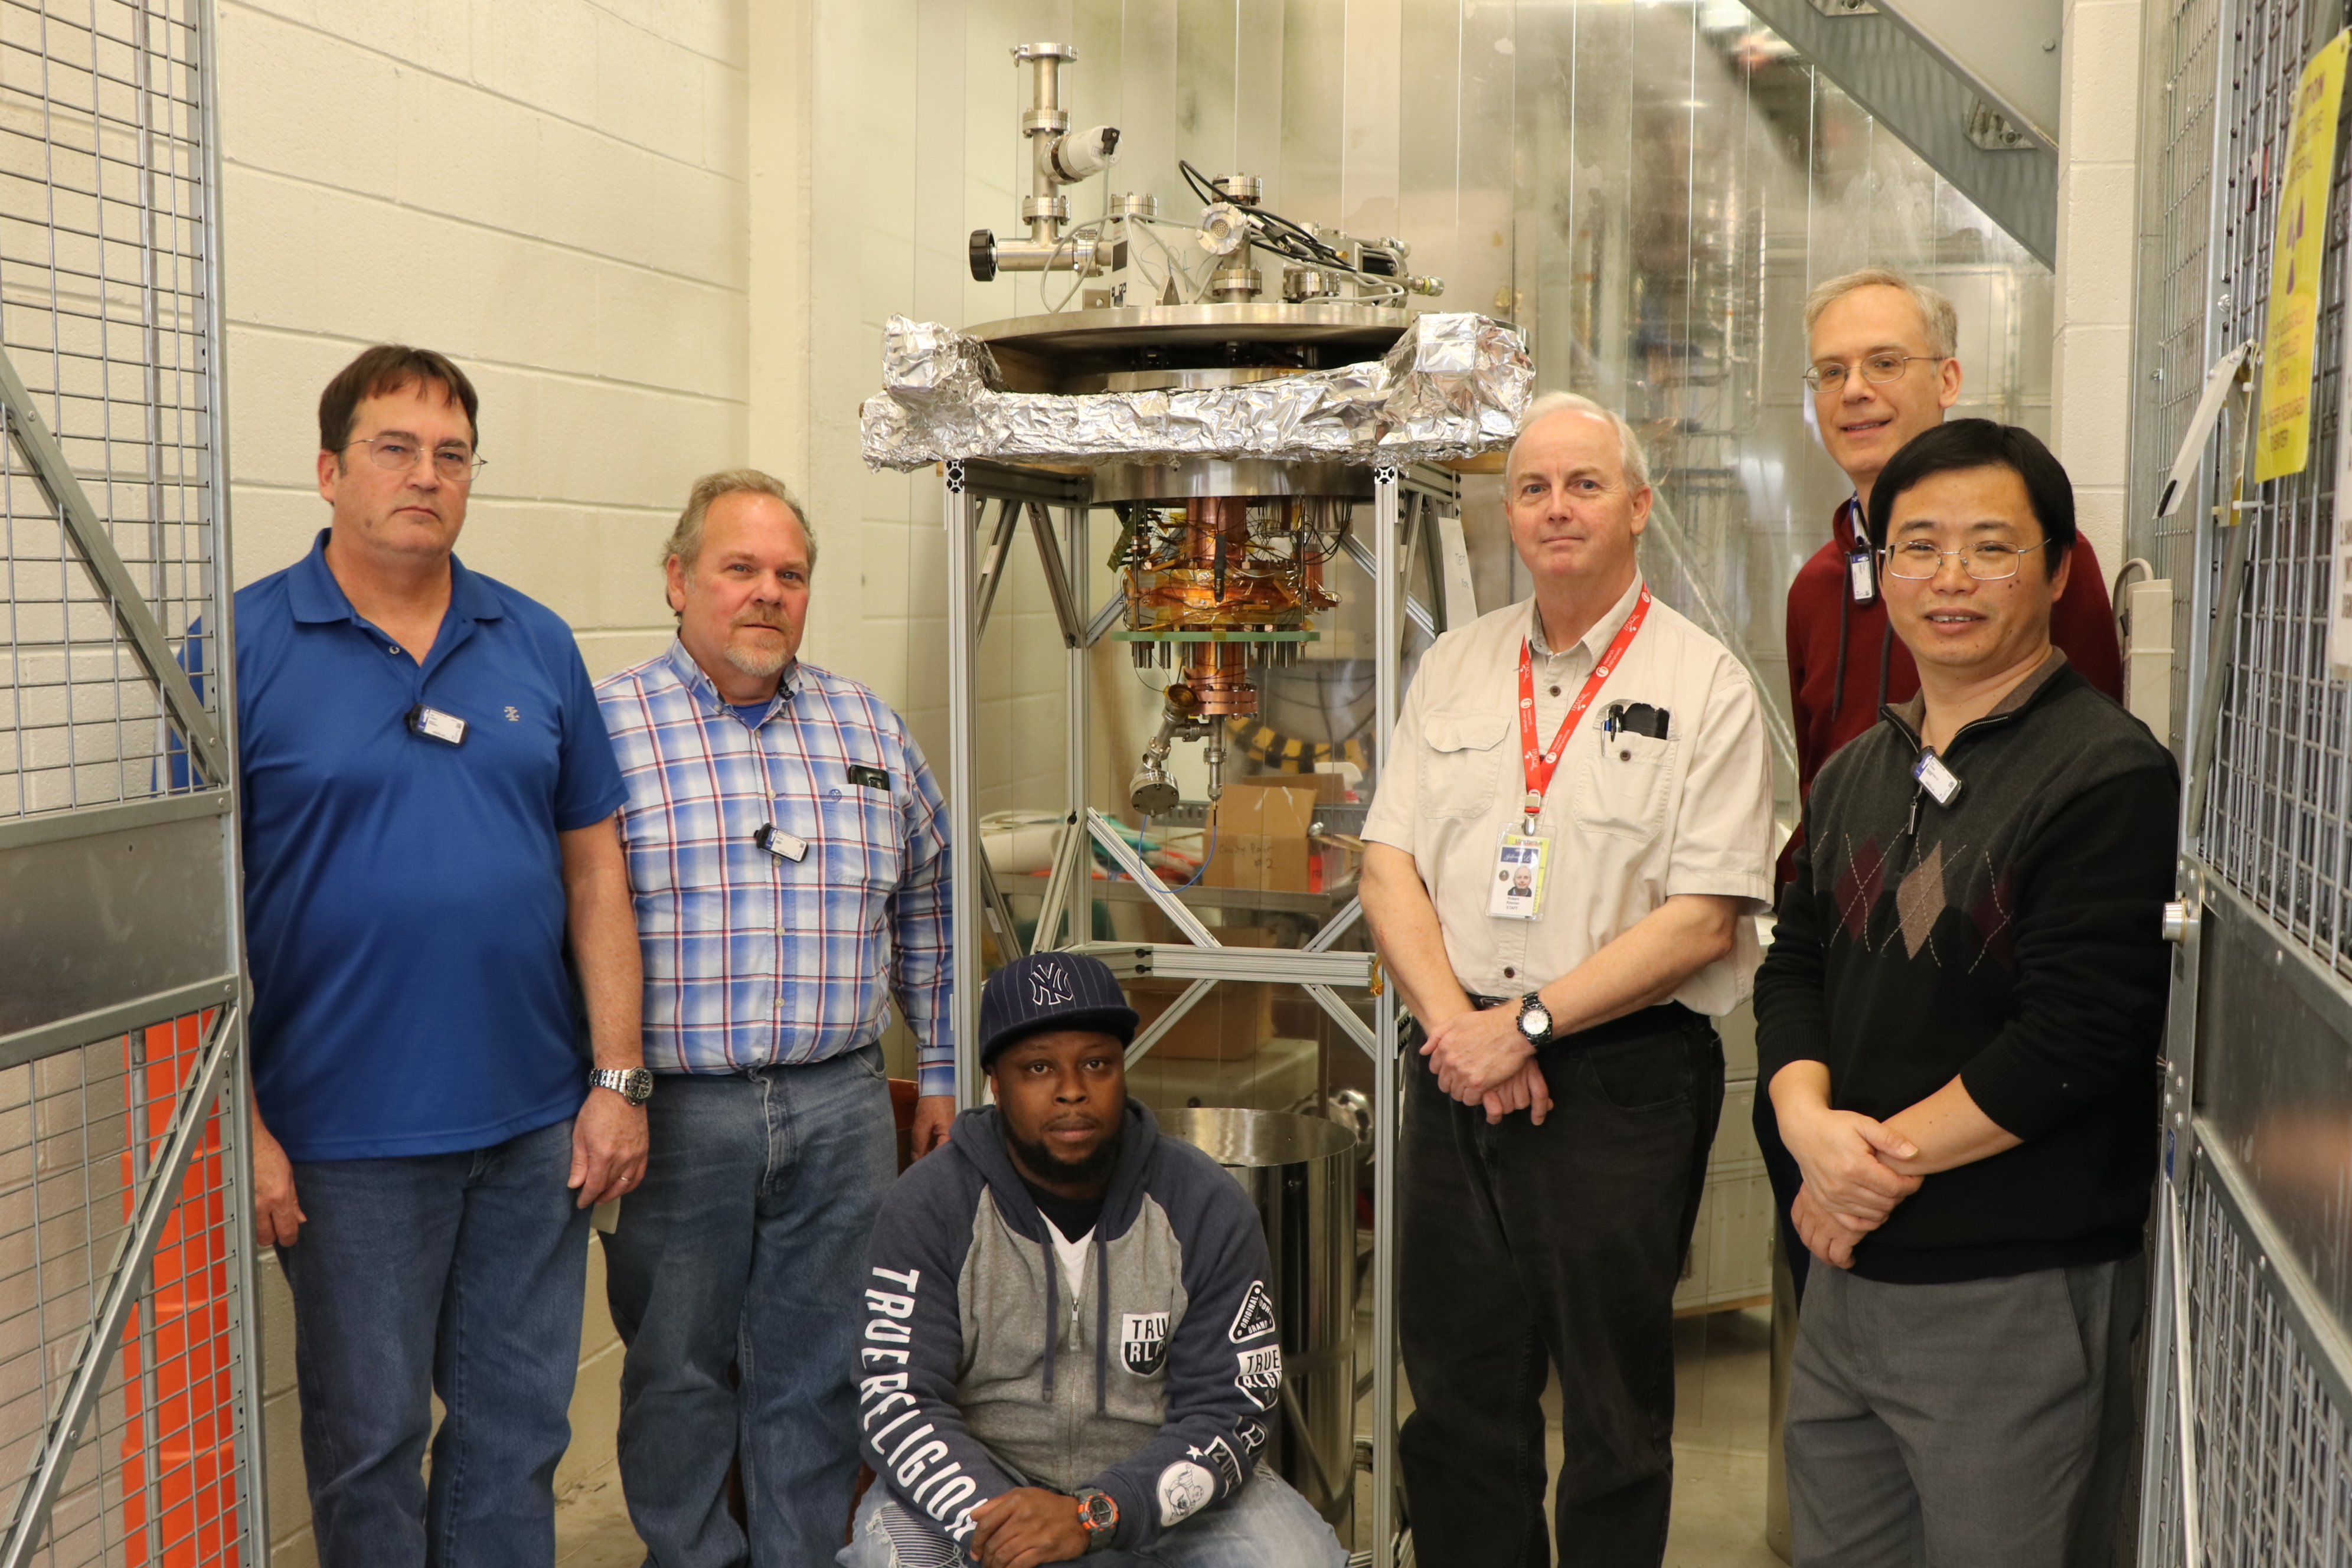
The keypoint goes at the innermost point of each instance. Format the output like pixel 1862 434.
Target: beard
pixel 756 661
pixel 1096 1166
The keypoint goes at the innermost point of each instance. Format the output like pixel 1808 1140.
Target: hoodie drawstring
pixel 1052 1312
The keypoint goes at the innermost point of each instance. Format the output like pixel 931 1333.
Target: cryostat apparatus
pixel 1226 432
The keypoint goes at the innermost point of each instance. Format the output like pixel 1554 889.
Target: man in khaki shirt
pixel 1561 919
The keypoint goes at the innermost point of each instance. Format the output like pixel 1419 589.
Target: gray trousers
pixel 1991 1424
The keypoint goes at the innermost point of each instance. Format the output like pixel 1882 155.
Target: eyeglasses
pixel 397 454
pixel 1988 562
pixel 1879 368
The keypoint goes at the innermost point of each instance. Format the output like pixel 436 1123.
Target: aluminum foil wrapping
pixel 1452 386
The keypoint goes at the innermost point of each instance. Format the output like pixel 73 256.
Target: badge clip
pixel 871 778
pixel 782 845
pixel 436 725
pixel 1935 778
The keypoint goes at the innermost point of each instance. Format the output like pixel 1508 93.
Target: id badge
pixel 784 846
pixel 1862 582
pixel 1518 890
pixel 1938 780
pixel 436 725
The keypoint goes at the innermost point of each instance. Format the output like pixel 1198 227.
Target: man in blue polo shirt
pixel 438 919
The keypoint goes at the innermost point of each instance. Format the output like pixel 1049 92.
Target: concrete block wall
pixel 2098 253
pixel 554 193
pixel 551 192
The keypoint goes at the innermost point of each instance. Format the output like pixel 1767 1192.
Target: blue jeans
pixel 1267 1526
pixel 745 1247
pixel 461 1275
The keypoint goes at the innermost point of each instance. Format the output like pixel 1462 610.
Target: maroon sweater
pixel 1845 663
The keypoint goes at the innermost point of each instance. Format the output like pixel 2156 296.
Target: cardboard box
pixel 1261 824
pixel 1229 1023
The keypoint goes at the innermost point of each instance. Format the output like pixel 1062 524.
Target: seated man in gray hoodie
pixel 1070 1349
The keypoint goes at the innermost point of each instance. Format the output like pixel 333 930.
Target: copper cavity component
pixel 1214 672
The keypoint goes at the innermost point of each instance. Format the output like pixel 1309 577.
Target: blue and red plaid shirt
pixel 751 958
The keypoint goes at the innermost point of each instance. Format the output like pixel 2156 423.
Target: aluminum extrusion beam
pixel 1886 69
pixel 1131 863
pixel 1387 1104
pixel 1278 966
pixel 1168 1020
pixel 957 507
pixel 1343 1015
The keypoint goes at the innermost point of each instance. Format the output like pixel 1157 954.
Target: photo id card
pixel 1518 890
pixel 1935 778
pixel 1862 582
pixel 784 846
pixel 436 725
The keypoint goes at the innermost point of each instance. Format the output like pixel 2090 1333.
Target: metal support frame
pixel 1387 1103
pixel 1066 919
pixel 960 511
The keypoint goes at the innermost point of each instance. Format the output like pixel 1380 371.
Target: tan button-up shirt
pixel 1634 820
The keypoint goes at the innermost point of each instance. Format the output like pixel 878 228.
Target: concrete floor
pixel 1722 1363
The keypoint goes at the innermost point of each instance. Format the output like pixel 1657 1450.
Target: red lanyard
pixel 1540 765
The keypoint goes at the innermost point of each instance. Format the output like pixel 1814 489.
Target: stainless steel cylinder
pixel 1300 1172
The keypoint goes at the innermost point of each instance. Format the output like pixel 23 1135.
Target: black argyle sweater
pixel 2013 939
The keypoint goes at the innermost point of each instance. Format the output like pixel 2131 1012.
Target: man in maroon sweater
pixel 1881 371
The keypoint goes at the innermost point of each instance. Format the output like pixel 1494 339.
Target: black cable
pixel 1317 253
pixel 1199 183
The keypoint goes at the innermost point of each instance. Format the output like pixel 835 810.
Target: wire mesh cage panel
pixel 84 1136
pixel 2175 286
pixel 126 1345
pixel 2277 823
pixel 105 313
pixel 2274 1460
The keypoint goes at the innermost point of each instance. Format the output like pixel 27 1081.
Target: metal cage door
pixel 2249 1369
pixel 128 1376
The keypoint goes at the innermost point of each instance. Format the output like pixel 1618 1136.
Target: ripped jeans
pixel 1266 1526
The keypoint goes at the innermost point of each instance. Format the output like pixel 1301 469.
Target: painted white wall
pixel 550 192
pixel 2098 183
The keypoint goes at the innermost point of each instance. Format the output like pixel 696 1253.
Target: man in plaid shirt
pixel 788 858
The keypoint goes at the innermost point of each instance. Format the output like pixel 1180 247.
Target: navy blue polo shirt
pixel 404 897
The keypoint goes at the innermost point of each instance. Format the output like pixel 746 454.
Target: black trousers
pixel 1522 1248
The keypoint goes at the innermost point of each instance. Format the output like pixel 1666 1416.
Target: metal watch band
pixel 1533 1001
pixel 635 1085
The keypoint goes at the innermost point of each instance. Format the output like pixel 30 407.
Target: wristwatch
pixel 635 1085
pixel 1535 1019
pixel 1098 1516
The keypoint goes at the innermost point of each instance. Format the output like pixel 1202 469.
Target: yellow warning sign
pixel 2283 433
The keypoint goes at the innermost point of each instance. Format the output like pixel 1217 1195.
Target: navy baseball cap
pixel 1051 990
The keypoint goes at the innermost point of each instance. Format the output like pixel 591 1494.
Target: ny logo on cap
pixel 1048 985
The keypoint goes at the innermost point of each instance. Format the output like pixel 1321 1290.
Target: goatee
pixel 1044 1163
pixel 753 661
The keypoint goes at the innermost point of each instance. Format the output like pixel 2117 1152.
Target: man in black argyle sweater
pixel 1958 1022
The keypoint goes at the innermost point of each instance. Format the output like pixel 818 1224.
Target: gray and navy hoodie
pixel 979 1371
